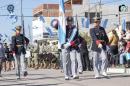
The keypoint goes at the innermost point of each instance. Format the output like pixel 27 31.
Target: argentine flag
pixel 13 17
pixel 49 31
pixel 85 22
pixel 104 23
pixel 62 26
pixel 124 24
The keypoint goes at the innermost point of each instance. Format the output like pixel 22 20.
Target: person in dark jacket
pixel 19 41
pixel 72 47
pixel 99 47
pixel 84 55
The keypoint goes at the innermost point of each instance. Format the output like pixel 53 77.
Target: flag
pixel 104 23
pixel 6 36
pixel 124 24
pixel 13 17
pixel 82 22
pixel 42 19
pixel 49 31
pixel 61 27
pixel 85 22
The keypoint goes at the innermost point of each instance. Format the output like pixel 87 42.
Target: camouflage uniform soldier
pixel 35 53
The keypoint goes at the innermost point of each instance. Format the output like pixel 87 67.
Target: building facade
pixel 81 9
pixel 105 11
pixel 48 12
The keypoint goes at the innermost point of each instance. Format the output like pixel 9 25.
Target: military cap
pixel 18 27
pixel 97 19
pixel 70 18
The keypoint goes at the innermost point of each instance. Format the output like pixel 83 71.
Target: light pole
pixel 89 10
pixel 22 18
pixel 100 7
pixel 22 24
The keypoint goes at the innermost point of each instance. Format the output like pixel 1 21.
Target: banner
pixel 104 23
pixel 85 22
pixel 124 24
pixel 62 27
pixel 13 17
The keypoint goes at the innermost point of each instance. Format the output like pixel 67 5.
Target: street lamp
pixel 22 18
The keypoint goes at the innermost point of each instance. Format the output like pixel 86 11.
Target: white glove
pixel 108 48
pixel 66 45
pixel 79 45
pixel 100 46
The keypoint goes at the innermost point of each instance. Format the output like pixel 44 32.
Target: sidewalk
pixel 50 77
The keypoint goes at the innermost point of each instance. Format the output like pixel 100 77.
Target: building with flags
pixel 43 16
pixel 109 12
pixel 86 11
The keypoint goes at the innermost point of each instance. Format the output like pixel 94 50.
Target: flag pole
pixel 89 10
pixel 71 5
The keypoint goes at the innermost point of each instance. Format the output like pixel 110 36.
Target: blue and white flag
pixel 83 25
pixel 49 31
pixel 42 19
pixel 6 35
pixel 13 17
pixel 62 26
pixel 104 23
pixel 124 24
pixel 85 22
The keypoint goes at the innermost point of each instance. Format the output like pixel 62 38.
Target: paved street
pixel 50 77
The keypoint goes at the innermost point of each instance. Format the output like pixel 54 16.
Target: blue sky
pixel 6 24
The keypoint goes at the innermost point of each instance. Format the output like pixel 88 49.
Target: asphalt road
pixel 51 77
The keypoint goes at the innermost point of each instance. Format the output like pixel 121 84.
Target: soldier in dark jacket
pixel 72 47
pixel 99 47
pixel 19 41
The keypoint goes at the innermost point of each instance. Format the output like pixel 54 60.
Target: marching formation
pixel 73 57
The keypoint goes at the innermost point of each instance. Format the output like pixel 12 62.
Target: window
pixel 92 15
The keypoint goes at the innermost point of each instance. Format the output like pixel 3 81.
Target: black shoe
pixel 80 72
pixel 107 77
pixel 97 77
pixel 25 74
pixel 89 69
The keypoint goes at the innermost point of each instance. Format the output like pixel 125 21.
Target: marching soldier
pixel 72 47
pixel 99 42
pixel 18 45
